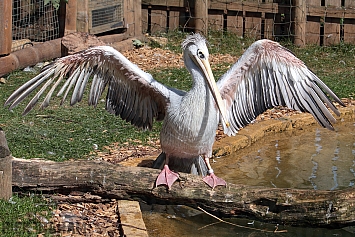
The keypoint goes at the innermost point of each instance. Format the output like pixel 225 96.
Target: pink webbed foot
pixel 166 177
pixel 212 180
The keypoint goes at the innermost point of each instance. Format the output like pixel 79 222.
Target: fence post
pixel 300 22
pixel 201 16
pixel 70 17
pixel 5 26
pixel 5 168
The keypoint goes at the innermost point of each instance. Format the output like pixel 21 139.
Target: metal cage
pixel 105 15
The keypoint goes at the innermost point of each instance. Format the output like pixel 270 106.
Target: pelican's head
pixel 195 48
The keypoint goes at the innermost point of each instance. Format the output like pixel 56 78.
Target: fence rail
pixel 321 22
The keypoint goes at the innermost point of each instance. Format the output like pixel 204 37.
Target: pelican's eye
pixel 200 54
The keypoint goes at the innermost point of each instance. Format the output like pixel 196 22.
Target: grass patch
pixel 61 132
pixel 20 216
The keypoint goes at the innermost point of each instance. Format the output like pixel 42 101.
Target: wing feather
pixel 132 93
pixel 269 75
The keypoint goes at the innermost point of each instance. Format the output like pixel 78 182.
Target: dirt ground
pixel 78 218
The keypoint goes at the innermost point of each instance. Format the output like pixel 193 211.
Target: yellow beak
pixel 206 68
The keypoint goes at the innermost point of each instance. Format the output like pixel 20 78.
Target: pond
pixel 312 158
pixel 181 221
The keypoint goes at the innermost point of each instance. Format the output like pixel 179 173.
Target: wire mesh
pixel 105 15
pixel 33 20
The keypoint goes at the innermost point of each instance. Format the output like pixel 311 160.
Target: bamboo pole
pixel 5 26
pixel 201 16
pixel 300 22
pixel 5 168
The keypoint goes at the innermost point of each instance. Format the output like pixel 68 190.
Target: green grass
pixel 61 132
pixel 21 216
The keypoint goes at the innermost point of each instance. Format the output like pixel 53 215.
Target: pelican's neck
pixel 199 83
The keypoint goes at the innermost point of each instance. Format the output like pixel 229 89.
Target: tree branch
pixel 283 206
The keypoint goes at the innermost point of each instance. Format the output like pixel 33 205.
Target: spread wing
pixel 269 75
pixel 132 93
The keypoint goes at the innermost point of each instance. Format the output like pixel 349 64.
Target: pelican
pixel 265 76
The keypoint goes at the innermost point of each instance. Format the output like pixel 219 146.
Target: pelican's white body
pixel 189 127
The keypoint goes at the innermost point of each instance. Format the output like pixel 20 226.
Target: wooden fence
pixel 322 22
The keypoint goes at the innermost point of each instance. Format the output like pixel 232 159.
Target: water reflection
pixel 314 158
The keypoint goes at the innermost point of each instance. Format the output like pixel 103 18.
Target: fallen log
pixel 284 206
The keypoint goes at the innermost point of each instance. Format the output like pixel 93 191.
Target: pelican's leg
pixel 166 176
pixel 211 179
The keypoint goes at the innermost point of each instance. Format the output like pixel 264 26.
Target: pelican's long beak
pixel 206 67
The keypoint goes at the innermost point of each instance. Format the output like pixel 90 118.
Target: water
pixel 313 158
pixel 183 221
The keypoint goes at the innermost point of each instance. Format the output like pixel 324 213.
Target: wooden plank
pixel 235 22
pixel 269 28
pixel 312 32
pixel 314 2
pixel 253 7
pixel 144 20
pixel 349 13
pixel 174 19
pixel 215 22
pixel 158 21
pixel 335 3
pixel 131 219
pixel 171 3
pixel 256 6
pixel 5 26
pixel 252 25
pixel 330 12
pixel 331 33
pixel 217 5
pixel 349 33
pixel 349 3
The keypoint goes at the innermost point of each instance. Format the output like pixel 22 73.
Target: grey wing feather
pixel 132 93
pixel 269 75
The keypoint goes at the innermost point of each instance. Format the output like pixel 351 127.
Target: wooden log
pixel 5 168
pixel 5 26
pixel 201 16
pixel 286 206
pixel 30 56
pixel 300 23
